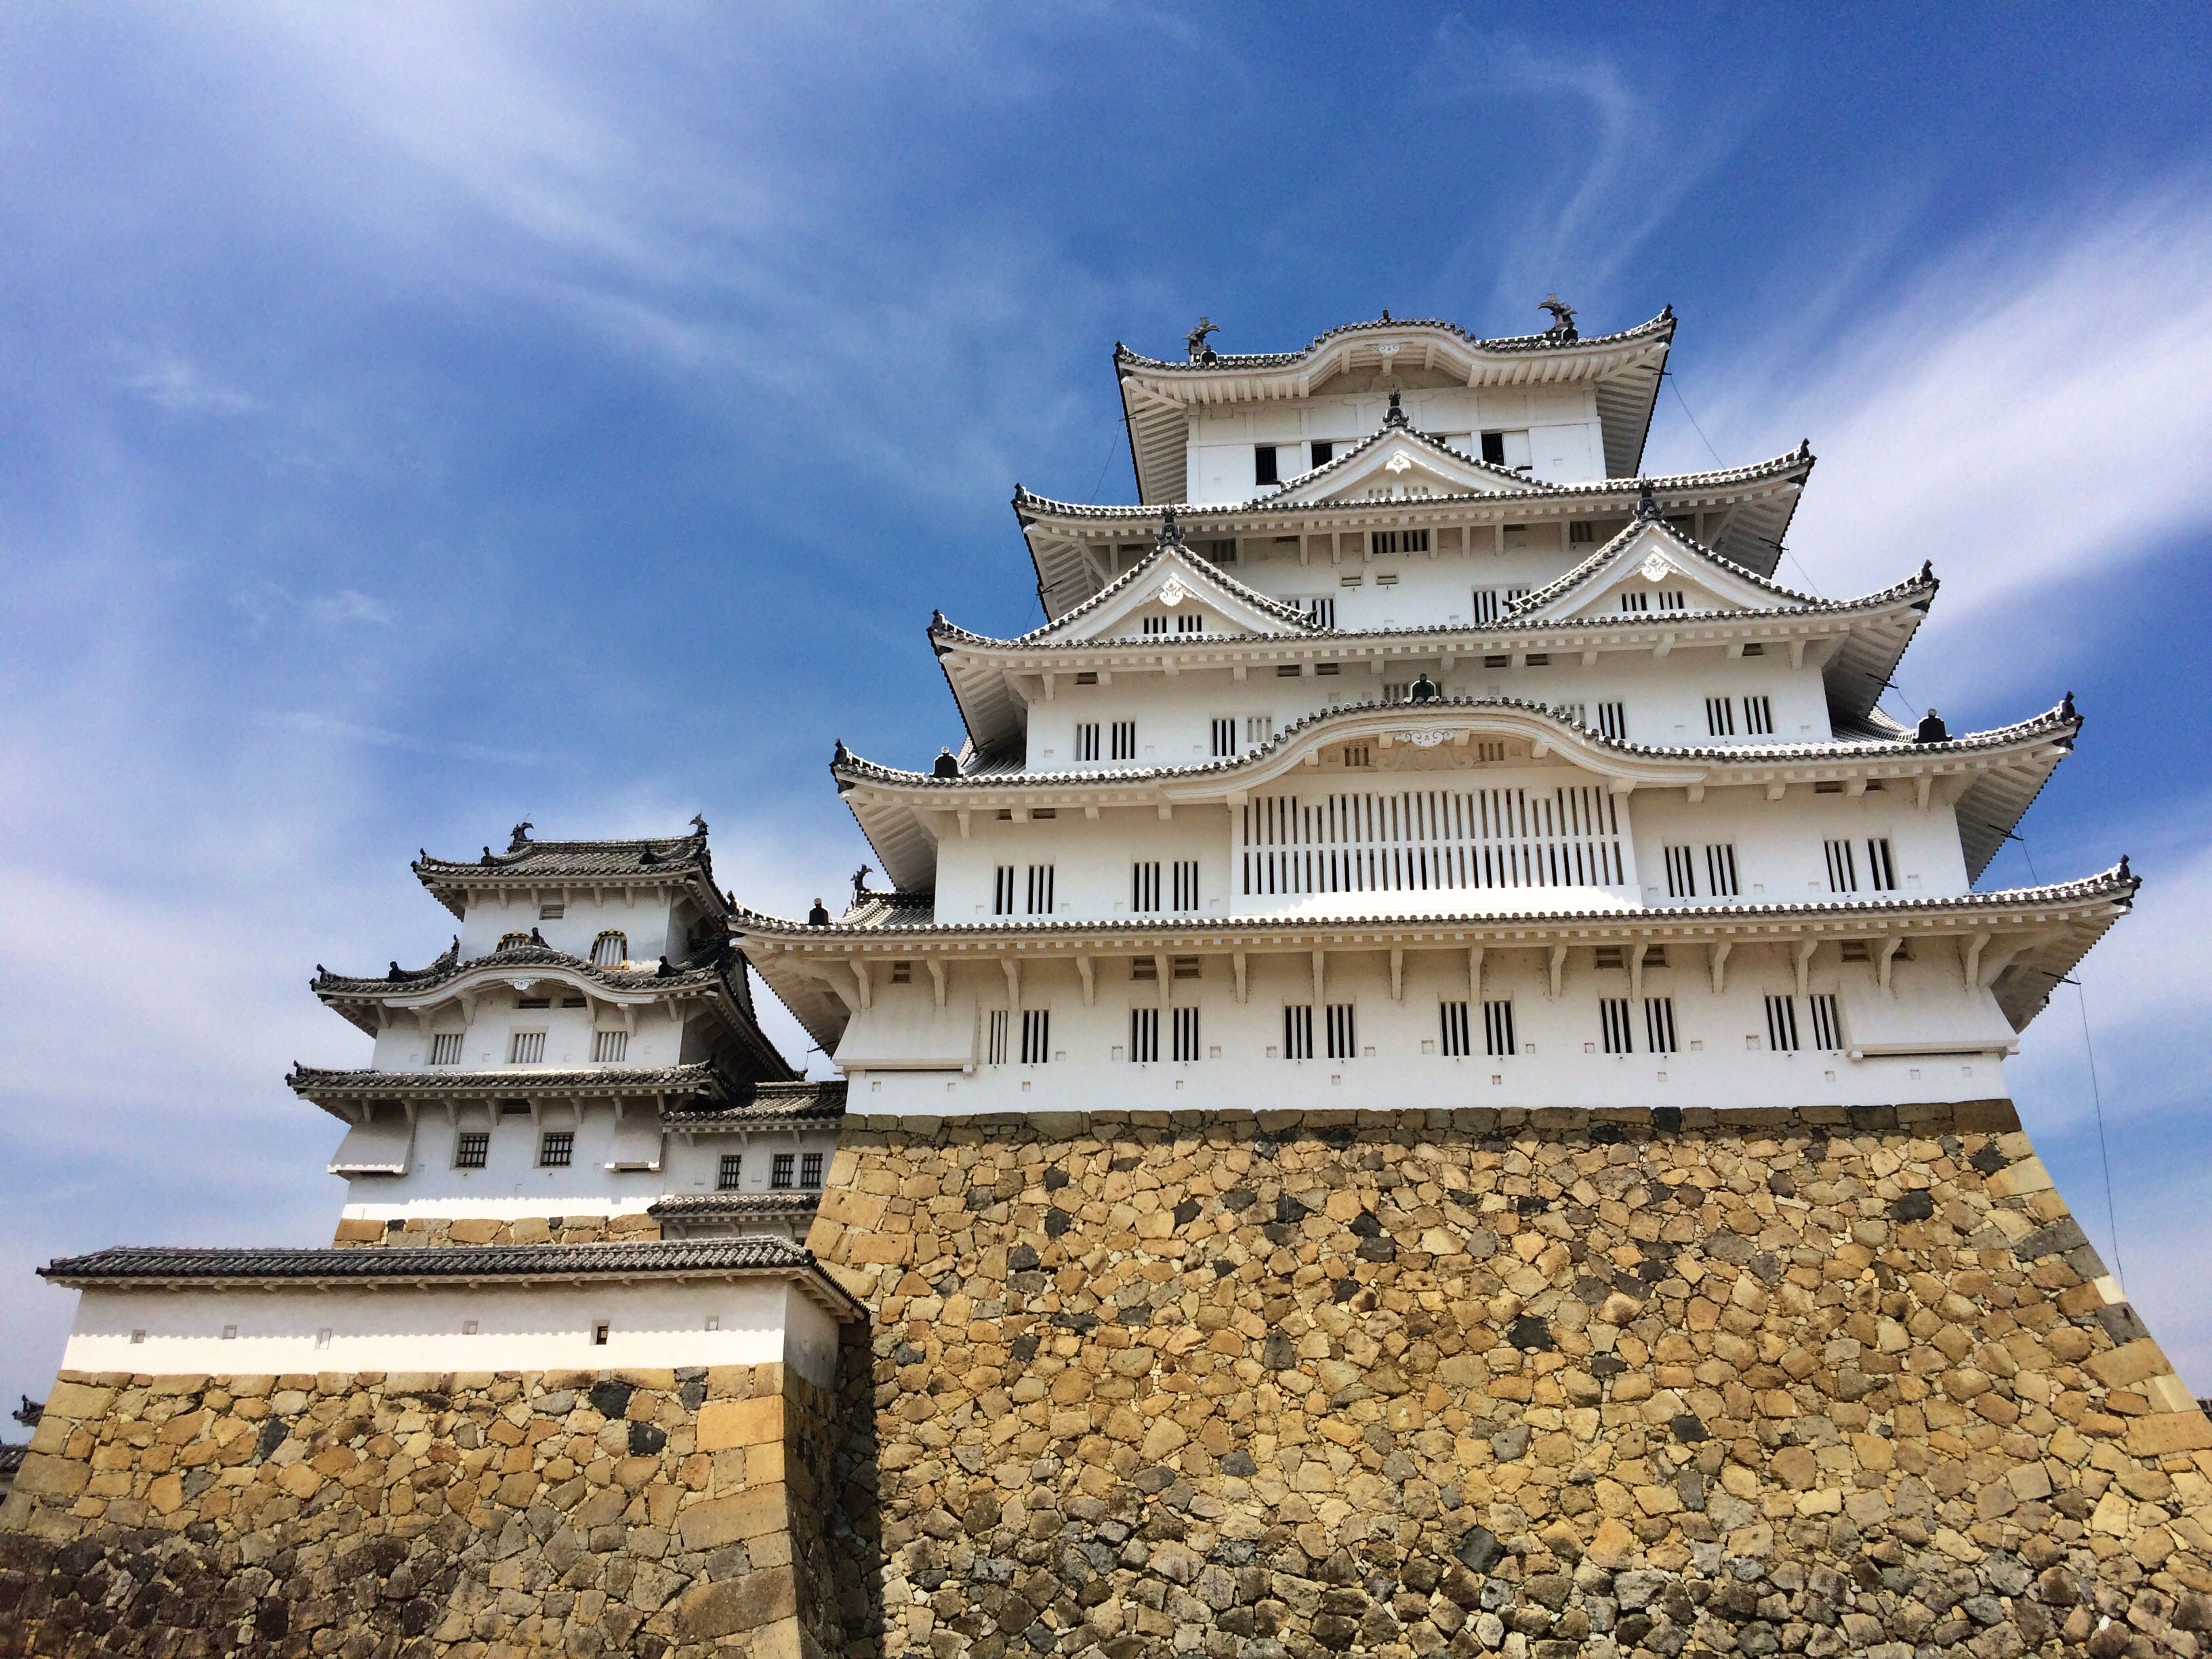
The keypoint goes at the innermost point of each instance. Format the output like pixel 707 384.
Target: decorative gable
pixel 1651 567
pixel 1399 464
pixel 1172 592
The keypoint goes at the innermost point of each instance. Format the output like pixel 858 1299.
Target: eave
pixel 1858 643
pixel 2029 938
pixel 1989 777
pixel 143 1269
pixel 340 1092
pixel 1156 395
pixel 1743 511
pixel 367 1003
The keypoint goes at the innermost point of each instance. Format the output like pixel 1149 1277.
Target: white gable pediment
pixel 1397 464
pixel 1174 584
pixel 1650 559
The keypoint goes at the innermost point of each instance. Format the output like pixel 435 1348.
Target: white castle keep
pixel 1406 747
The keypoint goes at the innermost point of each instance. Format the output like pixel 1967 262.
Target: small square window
pixel 556 1149
pixel 551 912
pixel 470 1148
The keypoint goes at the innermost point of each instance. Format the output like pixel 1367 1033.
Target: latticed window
pixel 1186 1034
pixel 1297 1031
pixel 1613 1017
pixel 1828 1022
pixel 779 1170
pixel 1143 1036
pixel 1782 1024
pixel 610 1047
pixel 512 941
pixel 526 1048
pixel 1343 1032
pixel 446 1048
pixel 470 1148
pixel 1497 1029
pixel 609 950
pixel 556 1149
pixel 810 1170
pixel 1037 1035
pixel 1125 740
pixel 1086 741
pixel 1659 1024
pixel 729 1172
pixel 1455 1023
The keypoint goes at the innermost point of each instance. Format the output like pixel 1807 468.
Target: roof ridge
pixel 1533 488
pixel 1663 324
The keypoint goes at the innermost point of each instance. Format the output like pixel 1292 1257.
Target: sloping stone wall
pixel 1542 1384
pixel 667 1513
pixel 634 1229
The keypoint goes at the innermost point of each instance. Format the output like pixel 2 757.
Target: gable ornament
pixel 1400 462
pixel 1173 593
pixel 1655 568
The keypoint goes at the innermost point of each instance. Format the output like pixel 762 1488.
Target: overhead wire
pixel 2096 1091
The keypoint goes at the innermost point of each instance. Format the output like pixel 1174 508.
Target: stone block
pixel 77 1402
pixel 724 1424
pixel 2130 1362
pixel 714 1522
pixel 729 1607
pixel 2162 1432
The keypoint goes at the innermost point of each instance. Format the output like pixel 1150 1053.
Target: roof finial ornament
pixel 699 823
pixel 1647 504
pixel 1395 414
pixel 819 915
pixel 1169 534
pixel 841 756
pixel 519 837
pixel 1194 342
pixel 31 1411
pixel 947 765
pixel 1931 730
pixel 1927 570
pixel 2125 875
pixel 1424 689
pixel 2066 709
pixel 860 881
pixel 1386 314
pixel 1562 330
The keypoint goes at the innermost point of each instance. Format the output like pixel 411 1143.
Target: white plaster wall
pixel 656 1036
pixel 1723 1059
pixel 1664 702
pixel 1566 443
pixel 1780 849
pixel 518 1327
pixel 512 1185
pixel 645 916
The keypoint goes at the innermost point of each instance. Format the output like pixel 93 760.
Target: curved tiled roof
pixel 766 1105
pixel 682 859
pixel 740 1207
pixel 1526 490
pixel 127 1264
pixel 704 969
pixel 851 769
pixel 1801 604
pixel 2117 882
pixel 1659 327
pixel 313 1082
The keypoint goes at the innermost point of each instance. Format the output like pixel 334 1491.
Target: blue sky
pixel 417 419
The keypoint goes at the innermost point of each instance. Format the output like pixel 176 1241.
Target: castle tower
pixel 1431 1078
pixel 564 1296
pixel 1424 750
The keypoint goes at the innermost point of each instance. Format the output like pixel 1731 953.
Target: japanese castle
pixel 1408 746
pixel 1431 1061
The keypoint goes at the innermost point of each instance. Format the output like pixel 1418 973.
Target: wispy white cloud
pixel 2030 410
pixel 171 381
pixel 323 726
pixel 1608 160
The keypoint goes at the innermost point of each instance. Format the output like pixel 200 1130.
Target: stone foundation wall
pixel 1544 1383
pixel 668 1513
pixel 638 1229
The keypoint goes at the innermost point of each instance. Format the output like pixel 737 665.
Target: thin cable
pixel 1109 461
pixel 2096 1094
pixel 1692 419
pixel 2097 1098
